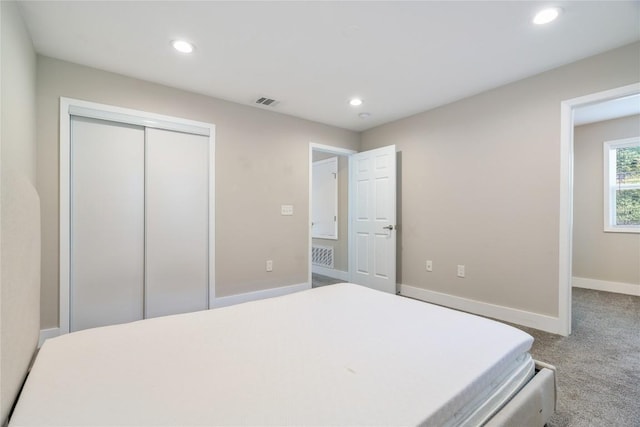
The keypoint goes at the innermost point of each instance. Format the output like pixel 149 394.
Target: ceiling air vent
pixel 267 102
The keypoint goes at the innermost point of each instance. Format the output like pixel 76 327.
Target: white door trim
pixel 566 194
pixel 333 150
pixel 122 115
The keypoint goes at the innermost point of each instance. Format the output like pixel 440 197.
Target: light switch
pixel 286 209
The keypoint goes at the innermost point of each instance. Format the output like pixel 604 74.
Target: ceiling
pixel 400 57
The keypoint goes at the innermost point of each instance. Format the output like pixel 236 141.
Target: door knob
pixel 388 227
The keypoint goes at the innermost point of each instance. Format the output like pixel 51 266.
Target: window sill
pixel 622 230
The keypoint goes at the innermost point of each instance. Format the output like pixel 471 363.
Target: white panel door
pixel 324 193
pixel 373 236
pixel 107 223
pixel 177 222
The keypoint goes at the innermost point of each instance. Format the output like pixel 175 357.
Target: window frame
pixel 610 185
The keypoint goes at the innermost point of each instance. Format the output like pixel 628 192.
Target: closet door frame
pixel 74 107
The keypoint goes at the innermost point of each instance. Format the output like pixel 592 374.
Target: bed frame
pixel 533 405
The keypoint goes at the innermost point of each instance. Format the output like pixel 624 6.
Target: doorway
pixel 329 215
pixel 372 228
pixel 568 111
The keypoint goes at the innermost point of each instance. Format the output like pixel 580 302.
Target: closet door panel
pixel 107 223
pixel 177 224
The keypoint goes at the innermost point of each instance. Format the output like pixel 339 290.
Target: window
pixel 622 185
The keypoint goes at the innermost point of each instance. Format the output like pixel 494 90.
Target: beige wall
pixel 19 213
pixel 341 245
pixel 480 185
pixel 612 257
pixel 262 162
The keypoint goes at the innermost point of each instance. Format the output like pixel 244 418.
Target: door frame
pixel 567 108
pixel 128 116
pixel 339 152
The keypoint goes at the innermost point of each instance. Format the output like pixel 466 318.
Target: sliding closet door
pixel 107 223
pixel 177 222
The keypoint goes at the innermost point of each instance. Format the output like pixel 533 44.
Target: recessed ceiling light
pixel 355 102
pixel 546 15
pixel 364 115
pixel 182 46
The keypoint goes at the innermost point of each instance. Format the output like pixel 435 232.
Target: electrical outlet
pixel 460 270
pixel 286 210
pixel 429 265
pixel 269 265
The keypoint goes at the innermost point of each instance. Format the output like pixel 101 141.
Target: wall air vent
pixel 322 256
pixel 267 102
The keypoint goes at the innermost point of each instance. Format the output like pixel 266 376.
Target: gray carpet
pixel 320 280
pixel 598 366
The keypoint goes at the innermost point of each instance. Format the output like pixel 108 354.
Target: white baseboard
pixel 603 285
pixel 506 314
pixel 45 334
pixel 330 272
pixel 253 296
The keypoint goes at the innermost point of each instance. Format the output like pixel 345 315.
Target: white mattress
pixel 336 355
